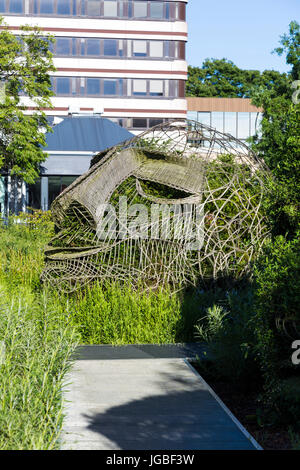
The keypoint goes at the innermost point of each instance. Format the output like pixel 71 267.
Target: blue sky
pixel 244 31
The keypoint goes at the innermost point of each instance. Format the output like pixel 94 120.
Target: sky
pixel 243 31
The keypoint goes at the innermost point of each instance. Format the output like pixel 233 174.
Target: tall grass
pixel 38 345
pixel 114 314
pixel 41 327
pixel 38 339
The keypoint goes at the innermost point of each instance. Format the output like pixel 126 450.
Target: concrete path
pixel 138 400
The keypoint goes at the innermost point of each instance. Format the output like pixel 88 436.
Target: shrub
pixel 228 331
pixel 277 296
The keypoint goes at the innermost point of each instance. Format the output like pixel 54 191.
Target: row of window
pixel 138 123
pixel 130 122
pixel 241 125
pixel 126 48
pixel 116 87
pixel 129 9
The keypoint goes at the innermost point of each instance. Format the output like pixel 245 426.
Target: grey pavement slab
pixel 140 351
pixel 145 404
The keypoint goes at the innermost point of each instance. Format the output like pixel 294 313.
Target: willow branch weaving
pixel 172 166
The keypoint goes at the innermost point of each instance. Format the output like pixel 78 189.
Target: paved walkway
pixel 145 398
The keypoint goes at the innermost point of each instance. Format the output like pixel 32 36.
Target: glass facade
pixel 46 189
pixel 138 123
pixel 241 125
pixel 115 87
pixel 118 48
pixel 127 9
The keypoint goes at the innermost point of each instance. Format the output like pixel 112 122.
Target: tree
pixel 25 63
pixel 290 44
pixel 279 141
pixel 222 78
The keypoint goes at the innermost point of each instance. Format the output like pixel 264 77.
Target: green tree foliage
pixel 279 142
pixel 277 281
pixel 25 63
pixel 290 44
pixel 222 78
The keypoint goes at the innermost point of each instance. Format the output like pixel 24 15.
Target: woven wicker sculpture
pixel 186 175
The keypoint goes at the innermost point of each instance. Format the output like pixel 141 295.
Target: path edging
pixel 225 408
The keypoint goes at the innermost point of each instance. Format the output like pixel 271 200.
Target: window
pixel 63 7
pixel 34 194
pixel 139 122
pixel 156 87
pixel 62 86
pixel 255 119
pixel 139 48
pixel 15 6
pixel 243 125
pixel 57 184
pixel 135 9
pixel 46 7
pixel 82 86
pixel 167 49
pixel 50 44
pixel 54 188
pixel 121 48
pixel 110 87
pixel 82 46
pixel 181 50
pixel 156 49
pixel 93 86
pixel 203 118
pixel 110 8
pixel 74 46
pixel 157 10
pixel 63 46
pixel 93 8
pixel 139 87
pixel 110 47
pixel 155 122
pixel 173 88
pixel 230 123
pixel 93 47
pixel 74 88
pixel 167 16
pixel 217 121
pixel 2 6
pixel 140 10
pixel 52 81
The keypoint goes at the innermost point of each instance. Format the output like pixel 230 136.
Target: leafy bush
pixel 277 296
pixel 228 330
pixel 289 401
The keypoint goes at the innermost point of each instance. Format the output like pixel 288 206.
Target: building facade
pixel 123 59
pixel 234 116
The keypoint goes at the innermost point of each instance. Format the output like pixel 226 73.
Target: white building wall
pixel 142 68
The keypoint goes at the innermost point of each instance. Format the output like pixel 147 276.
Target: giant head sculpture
pixel 177 203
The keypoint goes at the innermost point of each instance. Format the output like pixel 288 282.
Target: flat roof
pixel 221 104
